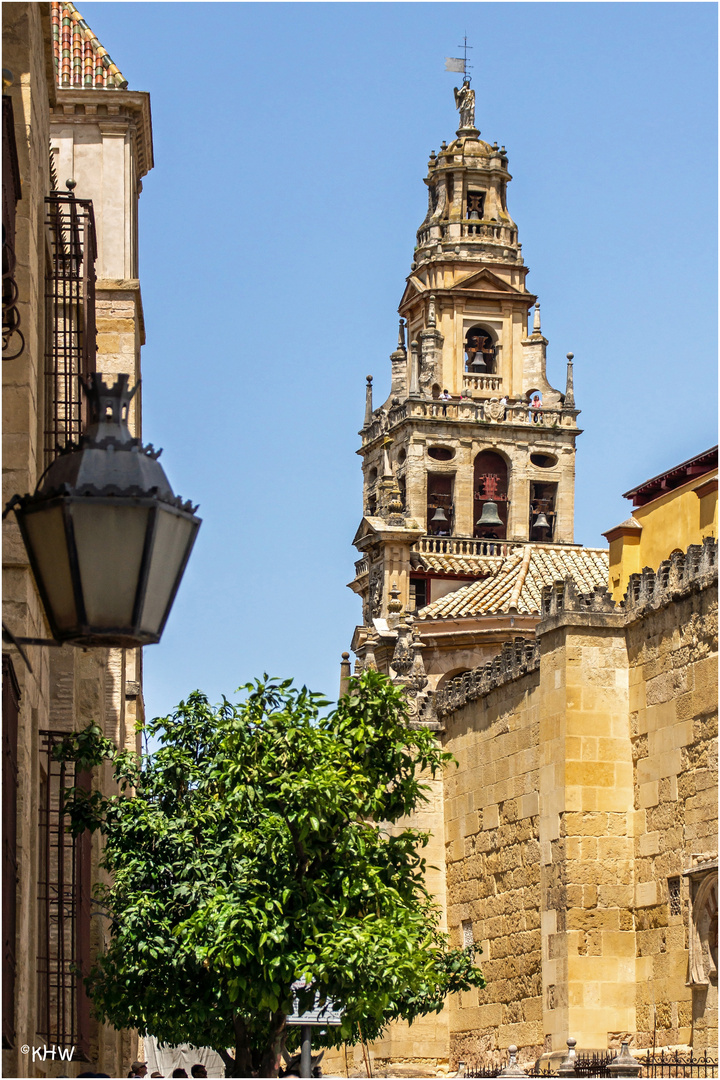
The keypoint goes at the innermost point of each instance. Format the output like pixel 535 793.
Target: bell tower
pixel 473 452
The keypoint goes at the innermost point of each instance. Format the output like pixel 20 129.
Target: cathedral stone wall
pixel 672 656
pixel 493 869
pixel 581 825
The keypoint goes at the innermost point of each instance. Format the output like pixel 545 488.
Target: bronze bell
pixel 439 517
pixel 489 515
pixel 541 522
pixel 473 216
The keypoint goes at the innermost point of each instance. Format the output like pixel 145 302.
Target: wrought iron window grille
pixel 71 346
pixel 63 954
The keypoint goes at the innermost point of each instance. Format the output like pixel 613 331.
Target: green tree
pixel 256 851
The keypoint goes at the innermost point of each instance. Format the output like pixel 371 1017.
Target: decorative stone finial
pixel 414 368
pixel 567 1065
pixel 431 311
pixel 402 658
pixel 569 389
pixel 387 467
pixel 368 401
pixel 401 335
pixel 536 319
pixel 369 661
pixel 624 1064
pixel 394 604
pixel 344 674
pixel 512 1068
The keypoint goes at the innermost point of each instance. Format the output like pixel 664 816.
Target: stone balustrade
pixel 490 231
pixel 490 412
pixel 449 545
pixel 473 383
pixel 362 566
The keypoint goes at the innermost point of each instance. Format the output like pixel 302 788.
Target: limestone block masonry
pixel 581 826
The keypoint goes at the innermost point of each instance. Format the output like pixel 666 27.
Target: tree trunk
pixel 243 1052
pixel 271 1057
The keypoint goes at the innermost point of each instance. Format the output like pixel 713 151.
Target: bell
pixel 473 216
pixel 439 517
pixel 489 515
pixel 541 522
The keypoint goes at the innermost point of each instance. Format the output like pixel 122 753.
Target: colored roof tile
pixel 80 59
pixel 519 580
pixel 473 566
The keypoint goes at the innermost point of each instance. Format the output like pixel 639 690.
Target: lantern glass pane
pixel 110 539
pixel 45 531
pixel 174 535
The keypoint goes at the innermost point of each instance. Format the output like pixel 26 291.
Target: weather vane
pixel 460 63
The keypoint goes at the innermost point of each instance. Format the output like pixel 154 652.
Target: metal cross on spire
pixel 460 63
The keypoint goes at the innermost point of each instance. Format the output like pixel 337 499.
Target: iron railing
pixel 71 345
pixel 64 908
pixel 660 1064
pixel 675 1063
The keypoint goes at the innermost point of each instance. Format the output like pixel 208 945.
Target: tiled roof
pixel 519 579
pixel 80 59
pixel 472 566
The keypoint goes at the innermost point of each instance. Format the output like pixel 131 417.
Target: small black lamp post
pixel 107 539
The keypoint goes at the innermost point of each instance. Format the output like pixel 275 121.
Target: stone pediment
pixel 413 288
pixel 364 529
pixel 485 281
pixel 371 527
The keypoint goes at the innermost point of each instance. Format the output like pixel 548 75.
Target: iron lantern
pixel 107 539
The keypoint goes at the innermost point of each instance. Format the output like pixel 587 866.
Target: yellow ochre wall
pixel 669 523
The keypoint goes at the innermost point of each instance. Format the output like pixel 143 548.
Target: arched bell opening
pixel 440 504
pixel 480 358
pixel 490 496
pixel 543 500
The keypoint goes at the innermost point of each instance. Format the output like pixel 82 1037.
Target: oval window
pixel 401 457
pixel 372 476
pixel 441 453
pixel 543 461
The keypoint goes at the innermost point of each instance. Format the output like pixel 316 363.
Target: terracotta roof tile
pixel 80 59
pixel 473 566
pixel 519 580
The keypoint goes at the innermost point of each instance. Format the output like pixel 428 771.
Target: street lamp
pixel 107 539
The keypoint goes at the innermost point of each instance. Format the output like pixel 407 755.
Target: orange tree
pixel 255 852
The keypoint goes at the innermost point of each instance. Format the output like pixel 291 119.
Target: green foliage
pixel 252 855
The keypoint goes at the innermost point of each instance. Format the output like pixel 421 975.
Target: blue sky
pixel 277 229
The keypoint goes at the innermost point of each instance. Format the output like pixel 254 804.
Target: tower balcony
pixel 492 233
pixel 490 411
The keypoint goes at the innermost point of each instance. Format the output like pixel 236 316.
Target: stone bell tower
pixel 473 452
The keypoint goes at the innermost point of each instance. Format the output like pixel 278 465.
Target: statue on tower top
pixel 465 103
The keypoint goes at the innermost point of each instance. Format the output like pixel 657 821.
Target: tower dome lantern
pixel 467 196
